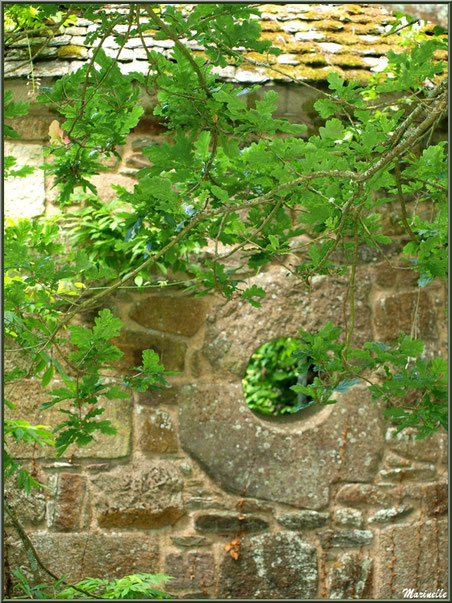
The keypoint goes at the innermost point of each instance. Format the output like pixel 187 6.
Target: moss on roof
pixel 315 39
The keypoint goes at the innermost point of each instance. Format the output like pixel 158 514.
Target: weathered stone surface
pixel 414 558
pixel 303 520
pixel 119 412
pixel 24 197
pixel 178 315
pixel 103 182
pixel 387 277
pixel 199 365
pixel 395 312
pixel 132 343
pixel 168 395
pixel 141 143
pixel 186 469
pixel 270 566
pixel 30 395
pixel 71 51
pixel 345 538
pixel 391 514
pixel 369 254
pixel 68 505
pixel 247 505
pixel 227 524
pixel 192 570
pixel 76 556
pixel 21 54
pixel 197 502
pixel 156 431
pixel 291 462
pixel 364 494
pixel 350 577
pixel 444 449
pixel 30 508
pixel 417 471
pixel 406 444
pixel 190 541
pixel 348 517
pixel 146 496
pixel 137 161
pixel 432 497
pixel 235 329
pixel 94 467
pixel 32 127
pixel 394 460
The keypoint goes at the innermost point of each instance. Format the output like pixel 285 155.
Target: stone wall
pixel 324 504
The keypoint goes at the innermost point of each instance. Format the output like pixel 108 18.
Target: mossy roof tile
pixel 315 39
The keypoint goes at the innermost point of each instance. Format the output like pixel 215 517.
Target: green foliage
pixel 230 175
pixel 103 119
pixel 230 171
pixel 13 109
pixel 20 17
pixel 401 365
pixel 135 586
pixel 20 430
pixel 41 279
pixel 271 373
pixel 37 591
pixel 113 239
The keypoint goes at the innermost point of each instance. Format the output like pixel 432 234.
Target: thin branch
pixel 351 287
pixel 402 201
pixel 91 63
pixel 30 549
pixel 164 27
pixel 42 31
pixel 380 248
pixel 403 127
pixel 410 141
pixel 427 182
pixel 92 301
pixel 255 233
pixel 389 33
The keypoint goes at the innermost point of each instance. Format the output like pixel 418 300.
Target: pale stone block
pixel 24 197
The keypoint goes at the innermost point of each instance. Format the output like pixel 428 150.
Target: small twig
pixel 409 142
pixel 429 183
pixel 255 233
pixel 43 31
pixel 351 287
pixel 217 238
pixel 393 33
pixel 31 551
pixel 402 202
pixel 403 127
pixel 181 47
pixel 91 63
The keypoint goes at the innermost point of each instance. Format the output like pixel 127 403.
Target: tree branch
pixel 30 550
pixel 402 201
pixel 410 141
pixel 164 27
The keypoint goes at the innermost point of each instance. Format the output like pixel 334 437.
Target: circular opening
pixel 271 372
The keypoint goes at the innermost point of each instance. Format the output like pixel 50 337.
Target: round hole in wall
pixel 271 372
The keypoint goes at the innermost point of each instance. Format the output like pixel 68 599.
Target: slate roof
pixel 316 39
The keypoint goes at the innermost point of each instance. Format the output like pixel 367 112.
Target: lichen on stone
pixel 71 51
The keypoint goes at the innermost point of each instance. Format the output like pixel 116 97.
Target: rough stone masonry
pixel 327 504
